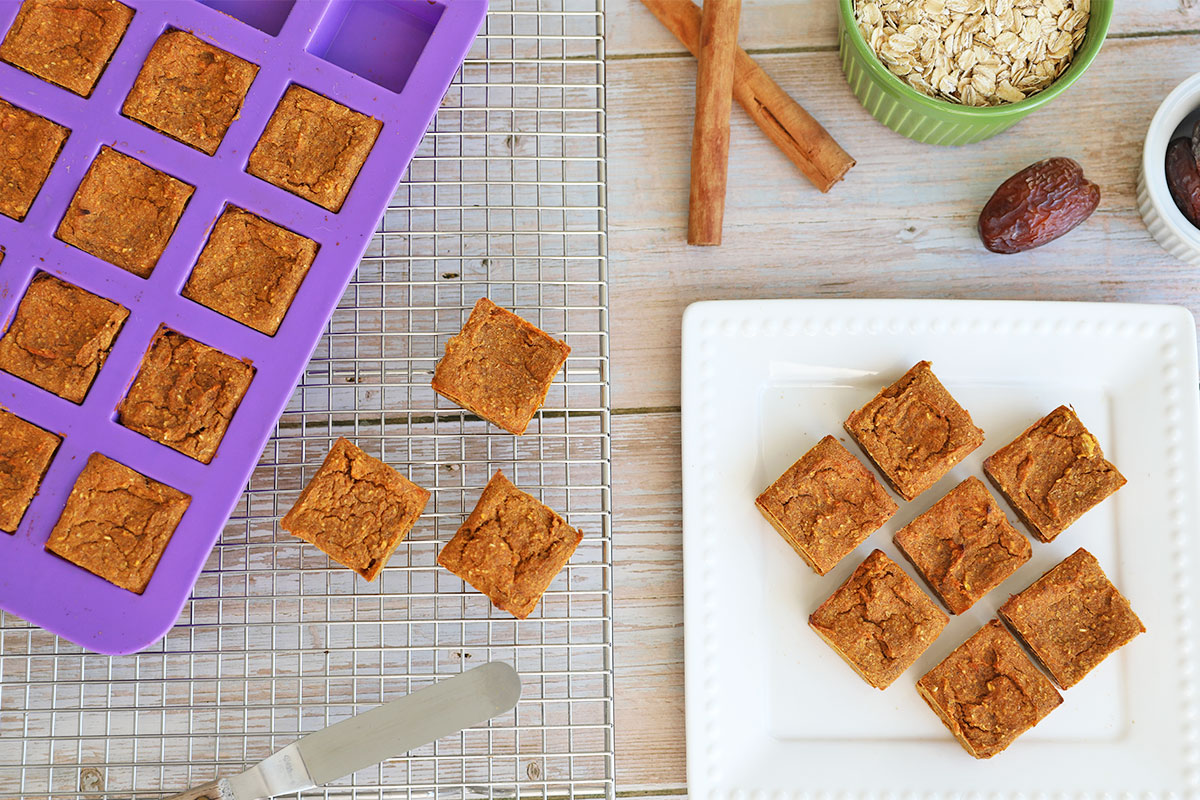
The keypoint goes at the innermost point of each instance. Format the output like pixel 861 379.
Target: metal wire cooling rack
pixel 505 198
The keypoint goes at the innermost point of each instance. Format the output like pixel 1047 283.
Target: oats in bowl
pixel 974 52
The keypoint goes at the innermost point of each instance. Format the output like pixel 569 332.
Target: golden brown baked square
pixel 60 337
pixel 250 270
pixel 826 504
pixel 314 147
pixel 988 692
pixel 25 453
pixel 914 431
pixel 189 90
pixel 963 546
pixel 879 621
pixel 1052 473
pixel 357 509
pixel 67 42
pixel 124 212
pixel 29 146
pixel 510 548
pixel 185 394
pixel 499 367
pixel 117 523
pixel 1072 618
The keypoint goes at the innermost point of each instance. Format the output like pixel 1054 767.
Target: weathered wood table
pixel 902 224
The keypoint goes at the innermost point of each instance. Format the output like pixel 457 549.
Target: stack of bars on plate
pixel 117 522
pixel 988 691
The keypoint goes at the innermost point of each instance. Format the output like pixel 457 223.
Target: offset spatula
pixel 368 738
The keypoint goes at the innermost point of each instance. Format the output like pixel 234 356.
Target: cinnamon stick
pixel 710 137
pixel 793 130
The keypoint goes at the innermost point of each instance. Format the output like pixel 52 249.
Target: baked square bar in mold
pixel 117 523
pixel 914 431
pixel 60 337
pixel 25 453
pixel 314 147
pixel 1053 473
pixel 826 504
pixel 963 546
pixel 510 548
pixel 357 509
pixel 879 621
pixel 1072 618
pixel 499 367
pixel 250 270
pixel 185 394
pixel 988 692
pixel 190 90
pixel 29 145
pixel 67 42
pixel 124 212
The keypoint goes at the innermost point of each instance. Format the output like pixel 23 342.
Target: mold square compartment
pixel 185 395
pixel 266 15
pixel 250 270
pixel 190 90
pixel 117 523
pixel 124 212
pixel 314 147
pixel 96 26
pixel 29 146
pixel 60 337
pixel 380 40
pixel 25 453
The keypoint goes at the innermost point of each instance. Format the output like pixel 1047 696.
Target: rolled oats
pixel 975 52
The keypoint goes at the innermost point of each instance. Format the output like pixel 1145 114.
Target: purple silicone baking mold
pixel 390 59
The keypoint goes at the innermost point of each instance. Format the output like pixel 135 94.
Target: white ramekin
pixel 1163 218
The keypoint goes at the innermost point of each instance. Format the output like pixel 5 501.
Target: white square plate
pixel 772 712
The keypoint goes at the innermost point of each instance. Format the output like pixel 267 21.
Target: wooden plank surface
pixel 648 589
pixel 901 225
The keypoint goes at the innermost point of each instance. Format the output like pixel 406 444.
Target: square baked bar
pixel 250 270
pixel 117 523
pixel 914 431
pixel 510 548
pixel 963 546
pixel 60 337
pixel 1052 473
pixel 1072 618
pixel 826 504
pixel 124 212
pixel 67 42
pixel 185 394
pixel 189 90
pixel 879 621
pixel 357 509
pixel 314 147
pixel 988 692
pixel 499 367
pixel 29 146
pixel 25 453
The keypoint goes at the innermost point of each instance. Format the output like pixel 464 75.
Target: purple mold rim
pixel 48 591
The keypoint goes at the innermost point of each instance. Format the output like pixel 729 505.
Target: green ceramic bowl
pixel 905 110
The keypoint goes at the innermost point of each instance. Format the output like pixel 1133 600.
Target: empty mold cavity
pixel 266 15
pixel 379 40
